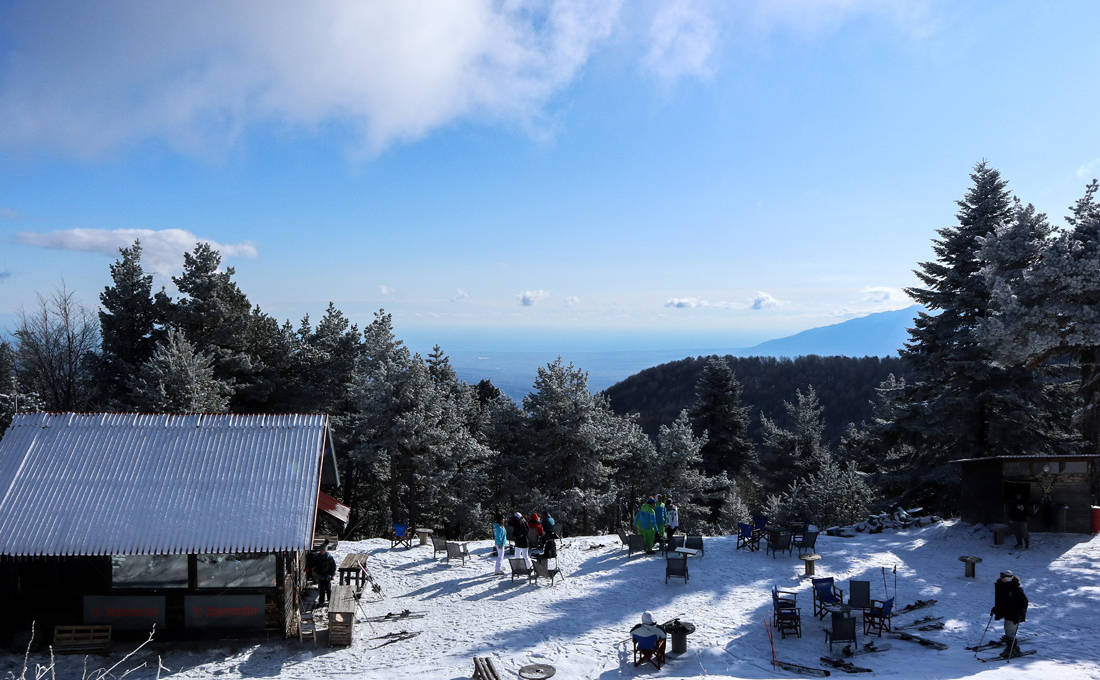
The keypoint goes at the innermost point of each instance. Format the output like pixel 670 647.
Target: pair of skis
pixel 926 623
pixel 396 616
pixel 391 638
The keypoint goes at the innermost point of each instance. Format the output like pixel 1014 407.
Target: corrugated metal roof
pixel 102 484
pixel 1069 457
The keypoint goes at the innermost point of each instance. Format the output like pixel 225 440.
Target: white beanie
pixel 647 618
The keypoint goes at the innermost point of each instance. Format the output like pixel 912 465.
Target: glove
pixel 992 611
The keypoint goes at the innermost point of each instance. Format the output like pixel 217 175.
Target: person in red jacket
pixel 535 531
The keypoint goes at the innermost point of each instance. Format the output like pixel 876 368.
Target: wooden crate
pixel 81 638
pixel 341 615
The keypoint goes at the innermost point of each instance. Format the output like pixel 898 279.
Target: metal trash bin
pixel 679 630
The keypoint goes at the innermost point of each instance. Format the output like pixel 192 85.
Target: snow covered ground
pixel 580 625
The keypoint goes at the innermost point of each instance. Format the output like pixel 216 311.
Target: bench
pixel 81 638
pixel 999 532
pixel 457 550
pixel 484 669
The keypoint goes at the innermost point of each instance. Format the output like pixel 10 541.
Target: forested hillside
pixel 844 385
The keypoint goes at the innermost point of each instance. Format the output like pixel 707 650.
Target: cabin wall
pixel 1054 486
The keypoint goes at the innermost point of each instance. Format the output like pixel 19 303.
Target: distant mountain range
pixel 881 334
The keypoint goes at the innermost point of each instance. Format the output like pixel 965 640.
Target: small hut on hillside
pixel 196 523
pixel 1060 490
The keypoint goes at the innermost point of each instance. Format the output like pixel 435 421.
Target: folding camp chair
pixel 747 537
pixel 649 648
pixel 778 540
pixel 859 595
pixel 676 566
pixel 402 535
pixel 843 630
pixel 878 617
pixel 826 594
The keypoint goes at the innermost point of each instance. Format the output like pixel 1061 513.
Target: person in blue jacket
pixel 500 538
pixel 659 516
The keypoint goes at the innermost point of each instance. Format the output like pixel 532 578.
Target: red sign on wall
pixel 125 612
pixel 224 611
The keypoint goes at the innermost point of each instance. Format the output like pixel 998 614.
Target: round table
pixel 537 671
pixel 425 535
pixel 809 561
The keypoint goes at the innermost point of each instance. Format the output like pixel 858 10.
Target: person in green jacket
pixel 646 524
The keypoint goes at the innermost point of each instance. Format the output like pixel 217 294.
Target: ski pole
pixel 982 641
pixel 884 591
pixel 895 581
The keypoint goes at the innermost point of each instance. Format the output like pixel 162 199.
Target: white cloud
pixel 884 295
pixel 572 301
pixel 1088 169
pixel 9 214
pixel 529 297
pixel 694 302
pixel 162 249
pixel 89 78
pixel 460 295
pixel 385 290
pixel 683 39
pixel 764 301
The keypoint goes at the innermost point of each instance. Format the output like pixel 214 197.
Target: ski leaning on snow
pixel 987 659
pixel 846 666
pixel 919 604
pixel 909 637
pixel 993 644
pixel 787 665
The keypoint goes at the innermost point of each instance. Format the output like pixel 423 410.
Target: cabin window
pixel 1075 467
pixel 235 570
pixel 1016 468
pixel 149 571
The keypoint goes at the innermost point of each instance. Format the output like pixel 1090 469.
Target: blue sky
pixel 538 176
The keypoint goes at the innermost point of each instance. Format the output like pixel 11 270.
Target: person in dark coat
pixel 324 568
pixel 1017 517
pixel 1010 604
pixel 519 529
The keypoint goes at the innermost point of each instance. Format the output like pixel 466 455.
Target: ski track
pixel 580 625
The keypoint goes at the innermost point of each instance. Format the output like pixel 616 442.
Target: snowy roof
pixel 101 484
pixel 1075 456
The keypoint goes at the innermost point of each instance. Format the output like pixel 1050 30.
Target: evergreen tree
pixel 178 379
pixel 213 314
pixel 949 407
pixel 13 399
pixel 1051 313
pixel 575 444
pixel 129 322
pixel 798 449
pixel 679 470
pixel 719 414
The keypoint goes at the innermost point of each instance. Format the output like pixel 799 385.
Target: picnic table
pixel 425 536
pixel 352 569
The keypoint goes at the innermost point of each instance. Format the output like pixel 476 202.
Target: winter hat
pixel 1007 574
pixel 518 516
pixel 647 618
pixel 651 499
pixel 534 516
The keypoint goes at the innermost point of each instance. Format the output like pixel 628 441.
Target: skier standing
pixel 645 522
pixel 1017 515
pixel 672 521
pixel 659 515
pixel 500 537
pixel 1010 604
pixel 519 530
pixel 324 569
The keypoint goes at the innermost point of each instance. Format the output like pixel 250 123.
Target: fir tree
pixel 949 407
pixel 1051 313
pixel 13 399
pixel 718 413
pixel 679 470
pixel 130 323
pixel 798 449
pixel 178 379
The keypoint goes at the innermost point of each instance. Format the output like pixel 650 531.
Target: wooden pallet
pixel 81 638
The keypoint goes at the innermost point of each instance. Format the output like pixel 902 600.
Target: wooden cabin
pixel 1059 490
pixel 196 523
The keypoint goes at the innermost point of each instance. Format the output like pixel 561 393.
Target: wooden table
pixel 970 561
pixel 809 561
pixel 352 570
pixel 425 535
pixel 341 615
pixel 686 552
